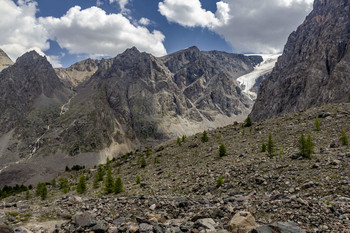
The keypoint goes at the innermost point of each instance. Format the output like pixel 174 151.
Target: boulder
pixel 242 222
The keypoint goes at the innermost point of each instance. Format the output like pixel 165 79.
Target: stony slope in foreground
pixel 179 183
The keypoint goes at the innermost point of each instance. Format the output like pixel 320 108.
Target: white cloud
pixel 99 3
pixel 144 21
pixel 189 13
pixel 92 31
pixel 122 4
pixel 20 30
pixel 263 26
pixel 248 25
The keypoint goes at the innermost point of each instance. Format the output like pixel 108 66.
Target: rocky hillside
pixel 179 187
pixel 314 67
pixel 78 72
pixel 5 61
pixel 118 105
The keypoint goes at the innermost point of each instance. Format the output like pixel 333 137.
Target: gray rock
pixel 281 227
pixel 144 227
pixel 84 219
pixel 119 221
pixel 207 223
pixel 5 229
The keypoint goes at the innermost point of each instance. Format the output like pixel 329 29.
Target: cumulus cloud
pixel 248 25
pixel 144 21
pixel 122 4
pixel 189 13
pixel 20 29
pixel 263 26
pixel 92 31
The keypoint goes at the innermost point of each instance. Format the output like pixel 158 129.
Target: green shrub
pixel 344 138
pixel 205 137
pixel 178 140
pixel 317 124
pixel 138 179
pixel 220 181
pixel 183 138
pixel 222 150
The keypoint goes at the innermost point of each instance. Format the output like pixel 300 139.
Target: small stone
pixel 133 227
pixel 153 207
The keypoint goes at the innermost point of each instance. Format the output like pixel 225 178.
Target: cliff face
pixel 314 67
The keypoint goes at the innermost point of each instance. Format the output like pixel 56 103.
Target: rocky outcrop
pixel 314 67
pixel 78 72
pixel 5 61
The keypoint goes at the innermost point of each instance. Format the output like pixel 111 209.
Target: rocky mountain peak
pixel 5 61
pixel 31 58
pixel 132 52
pixel 314 68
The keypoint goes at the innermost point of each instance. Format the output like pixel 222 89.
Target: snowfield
pixel 247 81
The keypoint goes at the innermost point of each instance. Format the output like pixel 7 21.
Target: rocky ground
pixel 179 193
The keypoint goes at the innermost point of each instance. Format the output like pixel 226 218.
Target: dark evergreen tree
pixel 344 138
pixel 270 147
pixel 118 186
pixel 222 150
pixel 109 182
pixel 317 124
pixel 81 186
pixel 248 122
pixel 205 137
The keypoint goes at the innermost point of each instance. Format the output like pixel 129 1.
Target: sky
pixel 67 31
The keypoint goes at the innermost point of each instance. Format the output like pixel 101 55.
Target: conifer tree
pixel 148 151
pixel 205 137
pixel 178 140
pixel 248 122
pixel 100 173
pixel 306 146
pixel 263 147
pixel 270 147
pixel 118 187
pixel 109 182
pixel 81 186
pixel 138 179
pixel 64 185
pixel 143 162
pixel 317 124
pixel 222 150
pixel 183 138
pixel 309 146
pixel 344 138
pixel 53 182
pixel 220 181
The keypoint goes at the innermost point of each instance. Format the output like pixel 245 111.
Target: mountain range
pixel 102 108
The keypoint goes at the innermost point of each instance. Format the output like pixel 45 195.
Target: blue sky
pixel 67 31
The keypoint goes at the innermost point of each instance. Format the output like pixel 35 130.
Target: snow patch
pixel 248 81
